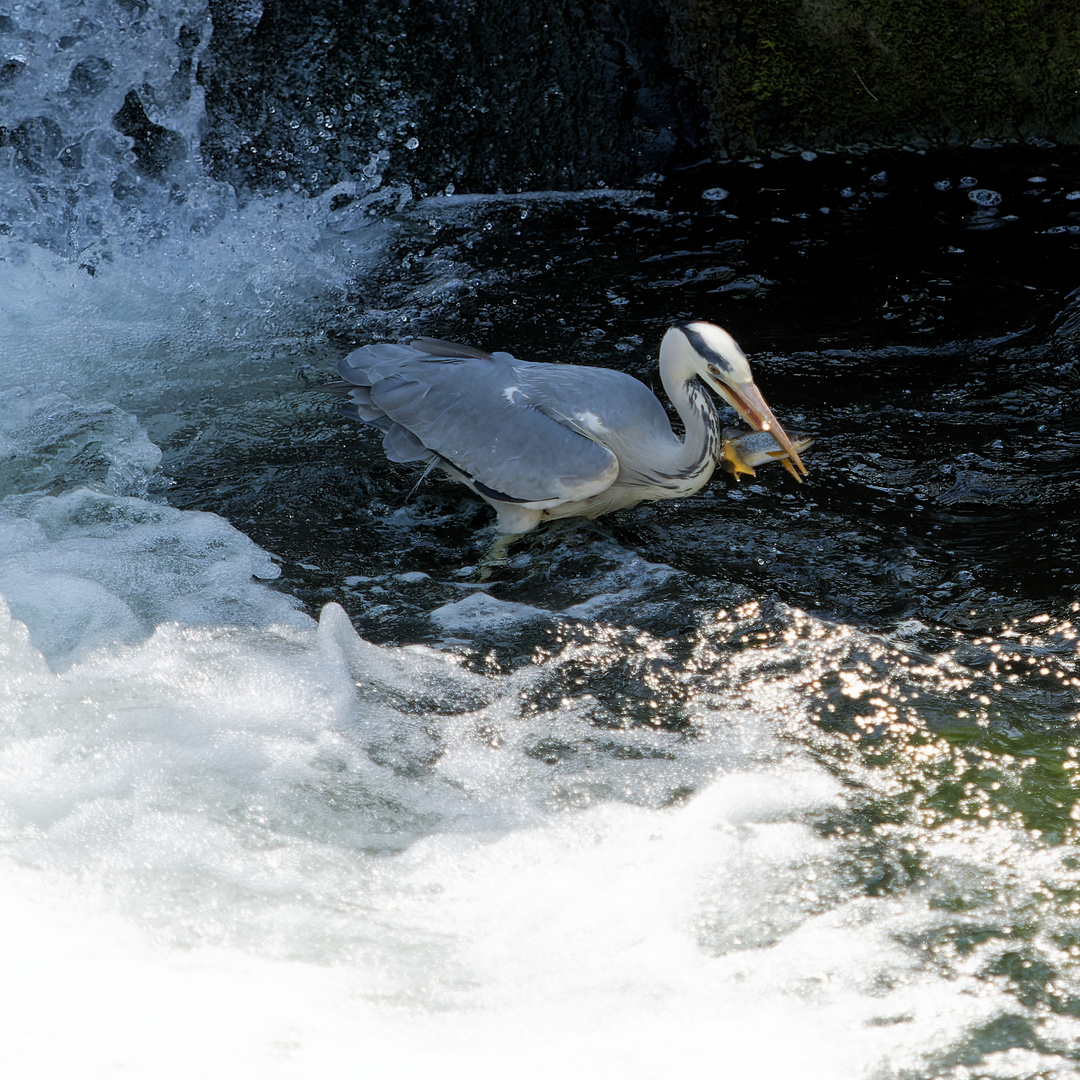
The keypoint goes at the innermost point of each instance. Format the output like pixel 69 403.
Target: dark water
pixel 928 342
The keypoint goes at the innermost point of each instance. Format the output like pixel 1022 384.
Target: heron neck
pixel 700 420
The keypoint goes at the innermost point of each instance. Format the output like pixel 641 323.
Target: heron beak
pixel 751 406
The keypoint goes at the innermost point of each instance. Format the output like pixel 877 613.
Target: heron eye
pixel 714 369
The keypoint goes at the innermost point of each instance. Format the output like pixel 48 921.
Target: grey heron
pixel 540 441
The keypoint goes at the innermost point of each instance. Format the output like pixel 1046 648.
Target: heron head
pixel 714 356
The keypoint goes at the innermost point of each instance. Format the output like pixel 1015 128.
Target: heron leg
pixel 512 523
pixel 515 520
pixel 497 555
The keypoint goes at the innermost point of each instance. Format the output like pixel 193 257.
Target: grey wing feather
pixel 402 445
pixel 581 395
pixel 360 407
pixel 471 411
pixel 438 347
pixel 365 366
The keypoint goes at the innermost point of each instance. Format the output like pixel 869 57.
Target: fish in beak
pixel 743 452
pixel 745 398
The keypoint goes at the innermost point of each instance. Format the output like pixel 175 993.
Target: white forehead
pixel 716 346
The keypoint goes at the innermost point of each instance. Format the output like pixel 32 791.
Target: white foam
pixel 480 610
pixel 85 569
pixel 582 926
pixel 308 872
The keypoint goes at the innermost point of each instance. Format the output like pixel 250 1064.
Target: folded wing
pixel 475 412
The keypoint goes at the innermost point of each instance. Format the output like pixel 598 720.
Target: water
pixel 774 781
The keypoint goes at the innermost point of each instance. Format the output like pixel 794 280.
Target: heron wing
pixel 400 444
pixel 508 447
pixel 472 410
pixel 611 406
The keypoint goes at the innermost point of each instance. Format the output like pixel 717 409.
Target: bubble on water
pixel 412 144
pixel 715 194
pixel 1073 195
pixel 808 155
pixel 968 181
pixel 984 197
pixel 1036 179
pixel 943 185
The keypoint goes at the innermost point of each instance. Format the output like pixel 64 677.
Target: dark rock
pixel 474 93
pixel 488 96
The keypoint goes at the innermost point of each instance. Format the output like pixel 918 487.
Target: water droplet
pixel 968 181
pixel 943 185
pixel 984 197
pixel 412 144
